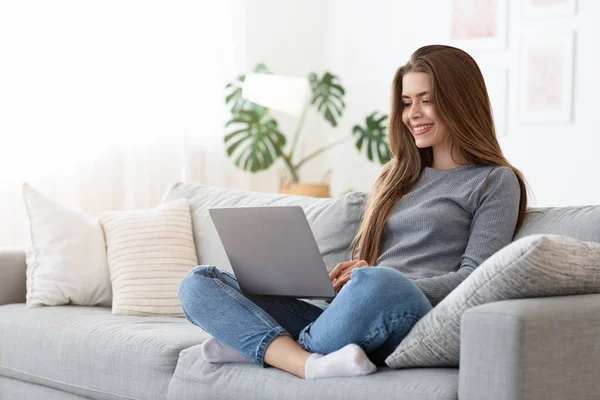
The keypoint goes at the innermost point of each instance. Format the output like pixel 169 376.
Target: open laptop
pixel 273 251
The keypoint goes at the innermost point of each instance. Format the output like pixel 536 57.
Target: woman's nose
pixel 414 112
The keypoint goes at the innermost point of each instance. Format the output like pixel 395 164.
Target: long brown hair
pixel 462 105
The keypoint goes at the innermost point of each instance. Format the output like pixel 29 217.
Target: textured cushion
pixel 581 222
pixel 91 353
pixel 66 261
pixel 535 266
pixel 149 252
pixel 195 378
pixel 334 221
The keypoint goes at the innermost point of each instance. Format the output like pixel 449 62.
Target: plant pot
pixel 305 189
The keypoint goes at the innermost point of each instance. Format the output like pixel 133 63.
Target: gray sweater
pixel 448 224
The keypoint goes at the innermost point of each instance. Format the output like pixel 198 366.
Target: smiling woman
pixel 440 119
pixel 447 201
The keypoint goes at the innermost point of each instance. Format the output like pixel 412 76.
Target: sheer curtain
pixel 103 104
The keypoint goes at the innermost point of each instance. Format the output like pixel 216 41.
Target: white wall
pixel 367 41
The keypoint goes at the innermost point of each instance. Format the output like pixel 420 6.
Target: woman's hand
pixel 341 273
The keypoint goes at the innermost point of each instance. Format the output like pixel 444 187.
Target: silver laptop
pixel 273 251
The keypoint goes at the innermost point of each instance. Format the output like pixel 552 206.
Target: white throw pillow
pixel 66 259
pixel 534 266
pixel 149 253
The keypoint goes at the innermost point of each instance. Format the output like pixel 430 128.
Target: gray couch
pixel 538 348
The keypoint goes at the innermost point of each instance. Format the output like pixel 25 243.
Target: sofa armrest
pixel 12 276
pixel 541 348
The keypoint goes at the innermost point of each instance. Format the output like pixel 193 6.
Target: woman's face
pixel 418 113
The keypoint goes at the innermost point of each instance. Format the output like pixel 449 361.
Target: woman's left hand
pixel 341 274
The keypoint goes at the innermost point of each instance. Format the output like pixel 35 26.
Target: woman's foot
pixel 216 352
pixel 350 360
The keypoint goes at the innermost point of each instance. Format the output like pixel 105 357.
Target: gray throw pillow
pixel 534 266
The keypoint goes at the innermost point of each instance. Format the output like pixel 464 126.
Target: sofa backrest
pixel 334 221
pixel 582 222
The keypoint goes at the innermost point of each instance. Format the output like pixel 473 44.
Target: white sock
pixel 216 352
pixel 350 360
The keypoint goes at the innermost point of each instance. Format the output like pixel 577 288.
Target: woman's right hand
pixel 341 274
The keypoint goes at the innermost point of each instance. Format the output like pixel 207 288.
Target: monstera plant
pixel 254 141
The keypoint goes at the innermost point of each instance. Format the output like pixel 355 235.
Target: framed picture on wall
pixel 479 24
pixel 548 8
pixel 546 77
pixel 496 82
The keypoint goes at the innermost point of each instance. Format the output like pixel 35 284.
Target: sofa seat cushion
pixel 195 376
pixel 91 353
pixel 17 389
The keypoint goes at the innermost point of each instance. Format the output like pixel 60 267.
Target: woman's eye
pixel 406 104
pixel 426 101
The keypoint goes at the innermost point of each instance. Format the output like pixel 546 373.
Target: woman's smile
pixel 421 129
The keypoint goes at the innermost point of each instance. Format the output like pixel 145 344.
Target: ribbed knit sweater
pixel 448 224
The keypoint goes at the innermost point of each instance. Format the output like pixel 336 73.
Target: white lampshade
pixel 277 92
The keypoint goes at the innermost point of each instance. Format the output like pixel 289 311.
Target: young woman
pixel 447 201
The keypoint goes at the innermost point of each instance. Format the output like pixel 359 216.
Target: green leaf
pixel 374 137
pixel 383 151
pixel 329 95
pixel 338 88
pixel 255 139
pixel 233 97
pixel 234 145
pixel 235 120
pixel 261 69
pixel 361 137
pixel 231 135
pixel 329 117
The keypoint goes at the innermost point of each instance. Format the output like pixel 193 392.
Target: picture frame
pixel 479 24
pixel 546 77
pixel 548 8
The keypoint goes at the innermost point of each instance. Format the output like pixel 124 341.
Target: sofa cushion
pixel 66 259
pixel 535 266
pixel 18 389
pixel 334 221
pixel 149 252
pixel 581 222
pixel 92 353
pixel 195 376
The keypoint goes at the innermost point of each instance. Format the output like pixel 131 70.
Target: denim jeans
pixel 375 310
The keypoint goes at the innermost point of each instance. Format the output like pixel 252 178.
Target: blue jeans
pixel 375 310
